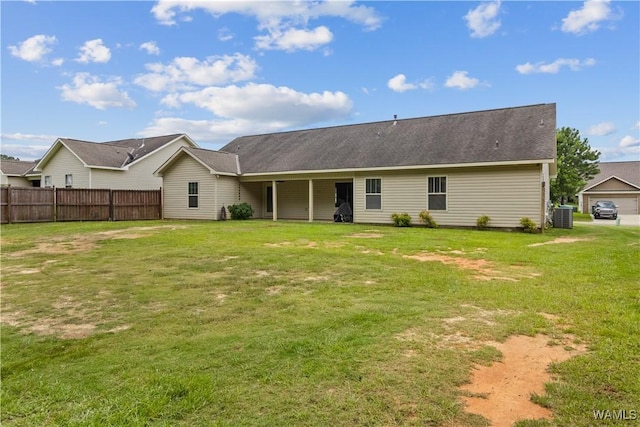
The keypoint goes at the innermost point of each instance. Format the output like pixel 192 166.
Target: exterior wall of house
pixel 175 191
pixel 228 189
pixel 64 162
pixel 139 176
pixel 253 194
pixel 506 194
pixel 15 181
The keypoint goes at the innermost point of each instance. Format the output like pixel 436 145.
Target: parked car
pixel 604 209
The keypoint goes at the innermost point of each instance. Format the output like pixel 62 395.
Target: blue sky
pixel 108 70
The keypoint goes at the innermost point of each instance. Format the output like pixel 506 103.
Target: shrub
pixel 528 225
pixel 427 219
pixel 483 222
pixel 401 220
pixel 241 211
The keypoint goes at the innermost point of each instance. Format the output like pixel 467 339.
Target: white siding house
pixel 123 164
pixel 458 167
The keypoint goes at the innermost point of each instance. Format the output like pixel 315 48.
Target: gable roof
pixel 217 162
pixel 111 154
pixel 510 135
pixel 627 172
pixel 16 167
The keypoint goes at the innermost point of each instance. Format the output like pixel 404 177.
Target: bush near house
pixel 483 222
pixel 427 219
pixel 401 220
pixel 241 211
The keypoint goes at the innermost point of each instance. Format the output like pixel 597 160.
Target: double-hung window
pixel 373 193
pixel 437 195
pixel 48 182
pixel 193 195
pixel 68 180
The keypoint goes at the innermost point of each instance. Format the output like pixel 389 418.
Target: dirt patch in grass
pixel 502 392
pixel 484 270
pixel 366 235
pixel 560 240
pixel 84 242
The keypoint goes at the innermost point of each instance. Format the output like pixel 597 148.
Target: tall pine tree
pixel 577 164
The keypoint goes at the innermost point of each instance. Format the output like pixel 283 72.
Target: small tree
pixel 577 164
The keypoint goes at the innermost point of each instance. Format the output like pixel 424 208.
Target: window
pixel 68 180
pixel 373 193
pixel 193 194
pixel 47 181
pixel 437 197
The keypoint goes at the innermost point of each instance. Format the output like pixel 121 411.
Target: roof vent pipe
pixel 395 119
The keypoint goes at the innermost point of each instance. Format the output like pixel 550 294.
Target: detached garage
pixel 618 182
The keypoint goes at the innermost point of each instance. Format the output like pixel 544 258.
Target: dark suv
pixel 604 209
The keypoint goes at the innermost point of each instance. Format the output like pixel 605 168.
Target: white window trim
pixel 48 184
pixel 189 195
pixel 68 180
pixel 446 193
pixel 372 194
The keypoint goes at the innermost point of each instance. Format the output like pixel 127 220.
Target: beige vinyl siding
pixel 64 162
pixel 252 193
pixel 506 194
pixel 324 199
pixel 139 175
pixel 293 200
pixel 15 181
pixel 227 193
pixel 175 191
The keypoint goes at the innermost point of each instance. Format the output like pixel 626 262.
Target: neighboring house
pixel 124 164
pixel 457 166
pixel 618 182
pixel 18 173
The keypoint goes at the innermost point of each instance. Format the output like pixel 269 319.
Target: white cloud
pixel 555 66
pixel 26 152
pixel 185 72
pixel 18 136
pixel 88 89
pixel 151 48
pixel 250 109
pixel 483 20
pixel 57 62
pixel 224 35
pixel 268 103
pixel 294 39
pixel 461 80
pixel 602 129
pixel 33 49
pixel 637 125
pixel 399 84
pixel 285 23
pixel 629 142
pixel 588 18
pixel 94 51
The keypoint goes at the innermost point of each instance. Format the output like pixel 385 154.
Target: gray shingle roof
pixel 628 171
pixel 16 167
pixel 217 160
pixel 502 135
pixel 116 154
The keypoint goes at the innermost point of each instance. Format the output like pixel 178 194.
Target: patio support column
pixel 274 199
pixel 310 200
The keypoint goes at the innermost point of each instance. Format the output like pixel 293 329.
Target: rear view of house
pixel 457 166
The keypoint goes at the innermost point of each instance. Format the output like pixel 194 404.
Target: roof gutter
pixel 403 168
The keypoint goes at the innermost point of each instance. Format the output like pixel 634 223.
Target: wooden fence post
pixel 9 210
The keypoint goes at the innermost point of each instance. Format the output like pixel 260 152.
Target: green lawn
pixel 278 324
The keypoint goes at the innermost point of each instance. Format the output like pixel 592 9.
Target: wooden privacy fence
pixel 26 204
